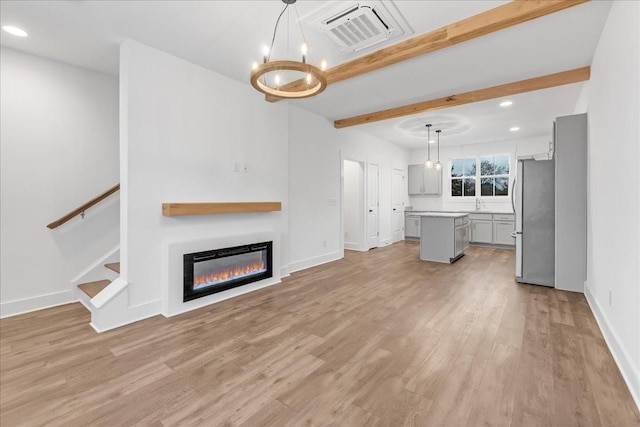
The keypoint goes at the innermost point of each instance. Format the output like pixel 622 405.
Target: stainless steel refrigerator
pixel 533 199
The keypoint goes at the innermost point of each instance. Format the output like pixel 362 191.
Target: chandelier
pixel 277 78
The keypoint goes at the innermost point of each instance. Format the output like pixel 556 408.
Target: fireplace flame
pixel 229 274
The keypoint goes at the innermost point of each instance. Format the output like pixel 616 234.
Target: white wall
pixel 353 201
pixel 316 151
pixel 515 148
pixel 314 180
pixel 613 223
pixel 183 128
pixel 59 149
pixel 357 145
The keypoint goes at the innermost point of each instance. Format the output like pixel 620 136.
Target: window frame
pixel 478 178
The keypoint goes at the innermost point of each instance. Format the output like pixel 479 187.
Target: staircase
pixel 100 288
pixel 91 289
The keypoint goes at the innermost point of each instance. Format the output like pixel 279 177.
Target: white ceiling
pixel 226 36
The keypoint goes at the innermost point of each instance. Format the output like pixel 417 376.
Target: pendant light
pixel 428 164
pixel 266 77
pixel 438 165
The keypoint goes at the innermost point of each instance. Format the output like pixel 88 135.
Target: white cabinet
pixel 502 232
pixel 492 228
pixel 462 238
pixel 432 181
pixel 482 231
pixel 415 179
pixel 412 226
pixel 467 236
pixel 423 181
pixel 443 238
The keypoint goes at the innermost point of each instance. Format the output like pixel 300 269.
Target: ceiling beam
pixel 492 20
pixel 522 86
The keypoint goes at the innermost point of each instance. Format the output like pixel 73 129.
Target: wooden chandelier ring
pixel 267 67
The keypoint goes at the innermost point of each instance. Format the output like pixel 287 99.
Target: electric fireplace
pixel 218 270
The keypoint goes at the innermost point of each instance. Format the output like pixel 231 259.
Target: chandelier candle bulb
pixel 323 65
pixel 265 54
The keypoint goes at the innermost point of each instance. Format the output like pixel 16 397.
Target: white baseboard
pixel 312 262
pixel 26 305
pixel 352 246
pixel 630 372
pixel 133 314
pixel 358 249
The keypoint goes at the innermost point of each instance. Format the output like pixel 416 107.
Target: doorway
pixel 353 205
pixel 373 206
pixel 397 205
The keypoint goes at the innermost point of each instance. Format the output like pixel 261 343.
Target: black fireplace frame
pixel 190 259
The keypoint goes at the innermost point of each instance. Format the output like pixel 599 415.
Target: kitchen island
pixel 444 236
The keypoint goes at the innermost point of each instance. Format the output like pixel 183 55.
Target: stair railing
pixel 81 209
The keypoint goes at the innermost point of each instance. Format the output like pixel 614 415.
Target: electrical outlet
pixel 245 168
pixel 324 243
pixel 236 167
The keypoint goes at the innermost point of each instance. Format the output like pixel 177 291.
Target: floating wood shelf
pixel 177 209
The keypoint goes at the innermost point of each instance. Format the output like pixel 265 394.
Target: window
pixel 491 171
pixel 463 177
pixel 494 175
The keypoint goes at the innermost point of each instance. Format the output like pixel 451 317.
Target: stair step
pixel 115 266
pixel 93 288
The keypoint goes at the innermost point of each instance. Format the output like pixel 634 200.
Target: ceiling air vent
pixel 357 28
pixel 362 25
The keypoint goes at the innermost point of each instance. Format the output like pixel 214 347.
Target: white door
pixel 397 197
pixel 372 206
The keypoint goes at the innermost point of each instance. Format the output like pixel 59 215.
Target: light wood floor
pixel 379 339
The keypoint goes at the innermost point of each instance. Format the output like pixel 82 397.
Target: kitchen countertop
pixel 444 214
pixel 463 212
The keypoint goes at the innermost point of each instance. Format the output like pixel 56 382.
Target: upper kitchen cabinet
pixel 423 181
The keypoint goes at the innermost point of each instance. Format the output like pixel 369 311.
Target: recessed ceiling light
pixel 515 129
pixel 15 31
pixel 506 103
